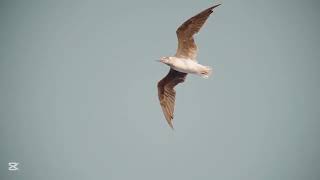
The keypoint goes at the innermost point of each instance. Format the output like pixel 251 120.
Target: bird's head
pixel 165 60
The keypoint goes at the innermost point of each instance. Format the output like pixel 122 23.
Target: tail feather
pixel 206 72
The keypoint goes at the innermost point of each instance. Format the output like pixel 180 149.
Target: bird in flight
pixel 182 63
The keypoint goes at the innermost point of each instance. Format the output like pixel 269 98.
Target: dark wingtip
pixel 171 125
pixel 215 6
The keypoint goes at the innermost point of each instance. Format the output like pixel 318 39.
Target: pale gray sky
pixel 78 96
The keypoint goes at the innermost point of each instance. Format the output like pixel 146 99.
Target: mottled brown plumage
pixel 186 49
pixel 167 94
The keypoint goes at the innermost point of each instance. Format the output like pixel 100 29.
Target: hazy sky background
pixel 78 97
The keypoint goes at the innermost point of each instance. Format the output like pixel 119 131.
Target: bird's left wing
pixel 167 93
pixel 187 47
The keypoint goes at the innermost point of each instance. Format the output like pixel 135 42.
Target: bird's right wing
pixel 167 93
pixel 187 47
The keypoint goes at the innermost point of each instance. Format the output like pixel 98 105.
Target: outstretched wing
pixel 167 93
pixel 187 47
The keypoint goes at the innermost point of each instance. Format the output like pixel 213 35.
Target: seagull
pixel 182 63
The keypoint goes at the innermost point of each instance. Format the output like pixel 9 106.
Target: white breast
pixel 185 65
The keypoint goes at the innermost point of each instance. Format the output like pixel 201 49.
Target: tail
pixel 205 72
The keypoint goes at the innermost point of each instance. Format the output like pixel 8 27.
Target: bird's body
pixel 189 66
pixel 182 63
